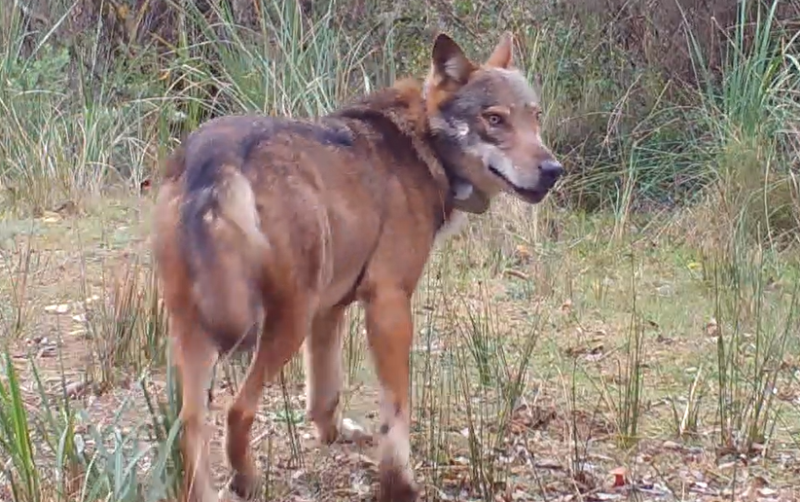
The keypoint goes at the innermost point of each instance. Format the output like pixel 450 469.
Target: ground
pixel 531 329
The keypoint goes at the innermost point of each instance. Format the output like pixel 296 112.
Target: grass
pixel 555 345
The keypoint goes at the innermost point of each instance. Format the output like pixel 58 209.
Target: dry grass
pixel 540 367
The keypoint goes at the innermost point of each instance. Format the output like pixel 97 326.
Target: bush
pixel 648 101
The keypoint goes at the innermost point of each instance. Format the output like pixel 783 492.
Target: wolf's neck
pixel 403 106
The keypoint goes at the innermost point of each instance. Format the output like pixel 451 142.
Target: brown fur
pixel 281 224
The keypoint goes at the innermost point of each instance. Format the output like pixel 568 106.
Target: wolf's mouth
pixel 532 195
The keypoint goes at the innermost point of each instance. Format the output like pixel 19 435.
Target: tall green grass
pixel 54 450
pixel 68 133
pixel 754 331
pixel 750 117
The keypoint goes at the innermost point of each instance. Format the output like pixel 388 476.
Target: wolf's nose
pixel 552 168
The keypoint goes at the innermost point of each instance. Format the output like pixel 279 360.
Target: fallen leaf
pixel 67 207
pixel 619 477
pixel 75 388
pixel 51 217
pixel 523 253
pixel 516 273
pixel 760 482
pixel 145 185
pixel 712 328
pixel 548 463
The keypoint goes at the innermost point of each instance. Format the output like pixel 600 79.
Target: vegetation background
pixel 635 336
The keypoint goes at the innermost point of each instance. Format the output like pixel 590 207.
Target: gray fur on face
pixel 459 116
pixel 520 88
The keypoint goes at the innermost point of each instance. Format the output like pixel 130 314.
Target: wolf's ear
pixel 503 53
pixel 449 61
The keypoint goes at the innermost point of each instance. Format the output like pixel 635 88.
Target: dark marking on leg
pixel 385 429
pixel 242 486
pixel 394 487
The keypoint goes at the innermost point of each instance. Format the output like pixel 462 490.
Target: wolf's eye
pixel 494 119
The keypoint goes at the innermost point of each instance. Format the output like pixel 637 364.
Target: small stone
pixel 461 460
pixel 353 432
pixel 664 290
pixel 62 308
pixel 74 389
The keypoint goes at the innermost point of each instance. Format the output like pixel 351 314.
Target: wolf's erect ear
pixel 449 61
pixel 503 53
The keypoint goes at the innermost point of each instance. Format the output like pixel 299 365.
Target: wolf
pixel 267 228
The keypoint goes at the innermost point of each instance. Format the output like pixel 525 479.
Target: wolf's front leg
pixel 390 332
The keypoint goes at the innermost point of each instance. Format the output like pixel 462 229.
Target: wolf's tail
pixel 227 252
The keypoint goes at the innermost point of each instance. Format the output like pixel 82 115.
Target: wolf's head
pixel 485 119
